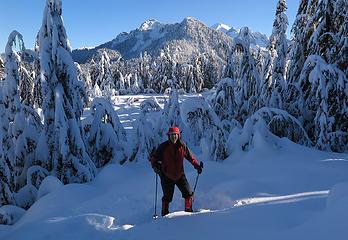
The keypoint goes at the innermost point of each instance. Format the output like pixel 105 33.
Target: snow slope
pixel 292 192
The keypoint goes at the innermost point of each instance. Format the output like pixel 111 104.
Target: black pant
pixel 168 187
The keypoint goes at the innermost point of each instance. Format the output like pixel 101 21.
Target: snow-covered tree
pixel 242 69
pixel 266 123
pixel 137 85
pixel 37 91
pixel 223 101
pixel 120 83
pixel 84 81
pixel 163 72
pixel 26 86
pixel 96 92
pixel 325 89
pixel 26 129
pixel 6 175
pixel 340 56
pixel 10 88
pixel 145 70
pixel 323 40
pixel 170 116
pixel 106 138
pixel 301 32
pixel 321 85
pixel 105 79
pixel 145 139
pixel 279 49
pixel 205 129
pixel 12 106
pixel 185 76
pixel 61 146
pixel 2 69
pixel 196 84
pixel 150 105
pixel 260 63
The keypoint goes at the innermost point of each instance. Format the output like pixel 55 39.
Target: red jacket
pixel 171 156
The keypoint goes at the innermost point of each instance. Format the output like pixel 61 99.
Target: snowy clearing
pixel 291 192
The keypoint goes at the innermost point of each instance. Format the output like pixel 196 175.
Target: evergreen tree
pixel 137 85
pixel 2 69
pixel 164 71
pixel 10 88
pixel 278 51
pixel 205 129
pixel 144 137
pixel 242 69
pixel 325 89
pixel 25 131
pixel 105 135
pixel 37 91
pixel 26 87
pixel 301 31
pixel 340 53
pixel 223 101
pixel 61 146
pixel 6 175
pixel 185 76
pixel 105 80
pixel 323 84
pixel 120 84
pixel 323 39
pixel 145 70
pixel 197 81
pixel 171 115
pixel 265 123
pixel 12 105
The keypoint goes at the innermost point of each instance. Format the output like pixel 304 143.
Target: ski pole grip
pixel 201 164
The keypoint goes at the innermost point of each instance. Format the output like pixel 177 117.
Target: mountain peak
pixel 190 20
pixel 221 27
pixel 149 25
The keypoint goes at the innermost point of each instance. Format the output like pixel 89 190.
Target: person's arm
pixel 156 159
pixel 190 157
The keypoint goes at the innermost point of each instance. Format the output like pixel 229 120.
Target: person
pixel 167 162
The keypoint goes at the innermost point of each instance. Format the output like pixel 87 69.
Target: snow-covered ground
pixel 291 192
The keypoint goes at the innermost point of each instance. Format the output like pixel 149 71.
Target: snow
pixel 48 185
pixel 221 27
pixel 149 25
pixel 288 192
pixel 10 214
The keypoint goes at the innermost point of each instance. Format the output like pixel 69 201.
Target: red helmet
pixel 174 130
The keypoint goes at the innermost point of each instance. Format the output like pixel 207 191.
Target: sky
pixel 90 23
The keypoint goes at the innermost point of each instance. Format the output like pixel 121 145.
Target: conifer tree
pixel 6 173
pixel 243 70
pixel 223 101
pixel 278 51
pixel 26 87
pixel 171 115
pixel 12 106
pixel 205 129
pixel 61 146
pixel 105 136
pixel 301 31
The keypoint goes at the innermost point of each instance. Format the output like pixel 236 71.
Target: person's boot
pixel 188 204
pixel 165 208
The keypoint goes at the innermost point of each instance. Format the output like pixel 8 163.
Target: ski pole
pixel 194 189
pixel 155 216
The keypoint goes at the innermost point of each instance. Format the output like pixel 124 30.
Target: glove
pixel 157 169
pixel 199 168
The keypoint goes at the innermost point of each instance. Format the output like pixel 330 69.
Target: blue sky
pixel 92 22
